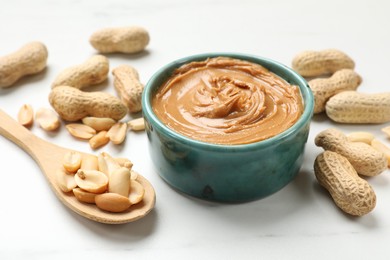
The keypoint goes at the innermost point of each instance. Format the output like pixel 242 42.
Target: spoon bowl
pixel 49 158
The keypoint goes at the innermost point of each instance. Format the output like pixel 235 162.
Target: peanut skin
pixel 317 63
pixel 73 104
pixel 365 159
pixel 128 87
pixel 131 39
pixel 91 72
pixel 359 108
pixel 28 60
pixel 324 88
pixel 351 193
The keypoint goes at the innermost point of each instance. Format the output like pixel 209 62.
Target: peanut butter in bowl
pixel 227 101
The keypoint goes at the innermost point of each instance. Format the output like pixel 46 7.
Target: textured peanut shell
pixel 73 104
pixel 128 87
pixel 28 60
pixel 317 63
pixel 351 193
pixel 359 108
pixel 93 71
pixel 365 159
pixel 324 88
pixel 131 39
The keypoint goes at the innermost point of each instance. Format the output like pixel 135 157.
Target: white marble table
pixel 299 222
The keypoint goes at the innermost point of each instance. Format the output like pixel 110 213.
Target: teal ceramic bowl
pixel 227 173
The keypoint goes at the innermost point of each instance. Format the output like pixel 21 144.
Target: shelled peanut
pixel 100 180
pixel 100 131
pixel 97 130
pixel 26 115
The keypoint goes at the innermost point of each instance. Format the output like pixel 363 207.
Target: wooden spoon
pixel 49 158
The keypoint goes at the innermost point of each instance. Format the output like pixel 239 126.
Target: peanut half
pixel 99 140
pixel 99 123
pixel 26 115
pixel 351 193
pixel 324 88
pixel 107 164
pixel 91 72
pixel 386 130
pixel 137 124
pixel 91 181
pixel 364 137
pixel 128 87
pixel 72 161
pixel 66 182
pixel 364 158
pixel 47 119
pixel 73 104
pixel 129 39
pixel 359 108
pixel 317 63
pixel 84 196
pixel 137 192
pixel 28 60
pixel 119 181
pixel 81 131
pixel 89 162
pixel 117 133
pixel 112 202
pixel 124 162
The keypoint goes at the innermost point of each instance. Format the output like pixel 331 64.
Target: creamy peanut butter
pixel 227 101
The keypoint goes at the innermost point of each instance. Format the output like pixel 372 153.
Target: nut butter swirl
pixel 227 101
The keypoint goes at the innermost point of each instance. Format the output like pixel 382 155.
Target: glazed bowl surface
pixel 227 173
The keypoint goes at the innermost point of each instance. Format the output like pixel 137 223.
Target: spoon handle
pixel 18 134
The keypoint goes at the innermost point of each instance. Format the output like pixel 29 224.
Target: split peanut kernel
pixel 81 131
pixel 119 181
pixel 112 202
pixel 137 192
pixel 99 140
pixel 107 164
pixel 99 123
pixel 84 196
pixel 136 124
pixel 124 162
pixel 66 182
pixel 26 115
pixel 89 162
pixel 117 133
pixel 47 119
pixel 92 181
pixel 72 161
pixel 386 130
pixel 364 137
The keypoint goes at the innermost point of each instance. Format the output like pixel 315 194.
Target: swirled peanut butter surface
pixel 227 101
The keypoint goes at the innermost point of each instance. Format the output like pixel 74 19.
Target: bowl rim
pixel 306 93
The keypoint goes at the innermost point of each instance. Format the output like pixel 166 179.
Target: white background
pixel 299 222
